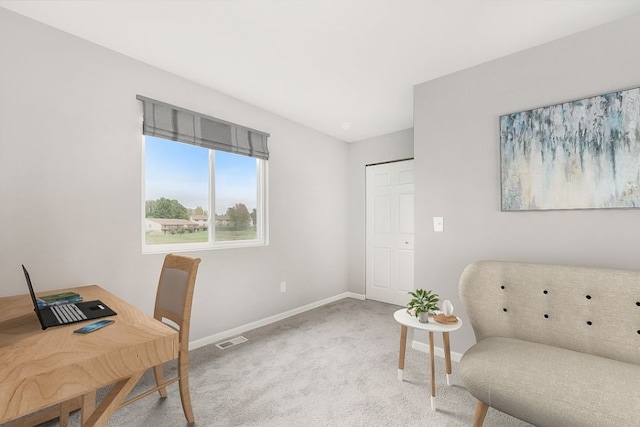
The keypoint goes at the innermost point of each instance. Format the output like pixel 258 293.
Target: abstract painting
pixel 582 154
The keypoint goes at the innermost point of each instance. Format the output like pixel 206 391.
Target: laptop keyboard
pixel 67 313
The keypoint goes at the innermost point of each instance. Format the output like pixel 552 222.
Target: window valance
pixel 178 124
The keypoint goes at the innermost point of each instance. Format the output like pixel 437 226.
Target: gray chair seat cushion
pixel 551 386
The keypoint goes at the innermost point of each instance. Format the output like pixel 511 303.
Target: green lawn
pixel 156 238
pixel 222 235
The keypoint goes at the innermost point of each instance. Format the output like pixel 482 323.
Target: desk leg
pixel 447 354
pixel 88 405
pixel 112 401
pixel 432 362
pixel 403 349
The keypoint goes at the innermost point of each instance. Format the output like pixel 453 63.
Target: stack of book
pixel 59 299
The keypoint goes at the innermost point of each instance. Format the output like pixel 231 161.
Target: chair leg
pixel 481 412
pixel 157 372
pixel 185 396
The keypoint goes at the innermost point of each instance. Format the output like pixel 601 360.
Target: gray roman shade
pixel 177 124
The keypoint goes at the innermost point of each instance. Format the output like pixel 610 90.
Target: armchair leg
pixel 481 412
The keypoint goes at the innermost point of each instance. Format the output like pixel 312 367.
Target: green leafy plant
pixel 423 302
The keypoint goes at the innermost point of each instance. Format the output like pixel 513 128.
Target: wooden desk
pixel 42 368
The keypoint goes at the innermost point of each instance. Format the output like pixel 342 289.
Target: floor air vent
pixel 231 342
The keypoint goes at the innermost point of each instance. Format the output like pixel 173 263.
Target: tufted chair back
pixel 591 310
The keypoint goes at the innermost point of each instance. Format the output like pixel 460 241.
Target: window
pixel 198 197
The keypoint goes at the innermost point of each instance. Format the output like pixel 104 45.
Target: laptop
pixel 67 314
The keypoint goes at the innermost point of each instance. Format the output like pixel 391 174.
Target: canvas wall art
pixel 582 154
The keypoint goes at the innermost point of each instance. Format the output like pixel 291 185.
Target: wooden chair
pixel 173 302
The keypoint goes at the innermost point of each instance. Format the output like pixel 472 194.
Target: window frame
pixel 262 211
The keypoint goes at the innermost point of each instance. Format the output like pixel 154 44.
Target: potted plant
pixel 422 303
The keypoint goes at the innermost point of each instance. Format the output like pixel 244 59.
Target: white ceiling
pixel 322 63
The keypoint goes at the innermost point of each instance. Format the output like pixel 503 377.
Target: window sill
pixel 165 249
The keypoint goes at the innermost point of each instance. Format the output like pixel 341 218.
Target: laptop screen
pixel 33 296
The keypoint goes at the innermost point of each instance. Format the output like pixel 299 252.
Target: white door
pixel 389 235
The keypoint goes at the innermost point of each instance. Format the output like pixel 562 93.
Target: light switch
pixel 438 224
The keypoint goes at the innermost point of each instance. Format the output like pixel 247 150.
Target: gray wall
pixel 70 185
pixel 458 171
pixel 393 146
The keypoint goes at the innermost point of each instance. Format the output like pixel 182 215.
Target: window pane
pixel 176 192
pixel 236 199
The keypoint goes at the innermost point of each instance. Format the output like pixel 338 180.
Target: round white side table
pixel 406 321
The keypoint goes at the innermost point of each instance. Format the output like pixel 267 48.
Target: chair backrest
pixel 591 310
pixel 175 292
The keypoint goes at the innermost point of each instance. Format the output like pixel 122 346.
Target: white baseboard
pixel 353 295
pixel 271 319
pixel 439 351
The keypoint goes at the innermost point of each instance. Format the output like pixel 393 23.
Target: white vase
pixel 447 308
pixel 423 317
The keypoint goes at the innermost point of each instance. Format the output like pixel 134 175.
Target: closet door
pixel 389 232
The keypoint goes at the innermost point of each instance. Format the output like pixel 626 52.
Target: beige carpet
pixel 332 366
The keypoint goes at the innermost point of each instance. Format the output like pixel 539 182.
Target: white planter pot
pixel 423 317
